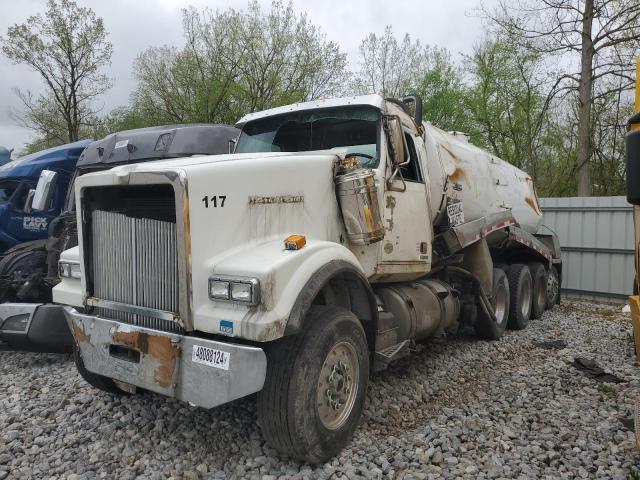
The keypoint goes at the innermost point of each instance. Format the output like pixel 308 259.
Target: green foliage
pixel 396 68
pixel 67 47
pixel 236 62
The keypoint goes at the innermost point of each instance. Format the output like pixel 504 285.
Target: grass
pixel 605 388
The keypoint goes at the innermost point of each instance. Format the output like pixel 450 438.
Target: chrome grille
pixel 135 263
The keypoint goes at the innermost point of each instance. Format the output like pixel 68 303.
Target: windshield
pixel 350 129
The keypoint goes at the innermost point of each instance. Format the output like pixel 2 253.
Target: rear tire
pixel 521 288
pixel 100 382
pixel 316 386
pixel 553 287
pixel 539 301
pixel 485 326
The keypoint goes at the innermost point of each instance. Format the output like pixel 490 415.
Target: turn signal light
pixel 294 242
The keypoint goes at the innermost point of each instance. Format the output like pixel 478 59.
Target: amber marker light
pixel 294 242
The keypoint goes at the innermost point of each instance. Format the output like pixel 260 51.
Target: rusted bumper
pixel 163 362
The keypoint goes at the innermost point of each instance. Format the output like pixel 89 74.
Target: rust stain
pixel 533 204
pixel 156 346
pixel 388 247
pixel 80 335
pixel 457 175
pixel 391 203
pixel 390 225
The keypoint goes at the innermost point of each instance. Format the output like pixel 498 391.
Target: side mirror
pixel 232 145
pixel 29 201
pixel 397 151
pixel 44 190
pixel 395 139
pixel 417 103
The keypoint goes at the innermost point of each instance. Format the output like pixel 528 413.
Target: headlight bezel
pixel 68 269
pixel 251 282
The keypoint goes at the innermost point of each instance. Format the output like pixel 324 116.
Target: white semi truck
pixel 340 233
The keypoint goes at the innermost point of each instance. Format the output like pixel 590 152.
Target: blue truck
pixel 18 223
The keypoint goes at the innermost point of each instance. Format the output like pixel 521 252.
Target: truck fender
pixel 290 282
pixel 360 297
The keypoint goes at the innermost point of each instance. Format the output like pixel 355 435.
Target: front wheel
pixel 315 387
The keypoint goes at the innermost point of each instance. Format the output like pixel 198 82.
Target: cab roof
pixel 54 158
pixel 154 143
pixel 373 100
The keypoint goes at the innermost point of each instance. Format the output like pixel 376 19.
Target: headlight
pixel 235 289
pixel 69 270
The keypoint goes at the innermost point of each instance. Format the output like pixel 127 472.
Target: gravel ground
pixel 460 408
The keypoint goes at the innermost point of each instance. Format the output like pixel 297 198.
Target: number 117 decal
pixel 214 200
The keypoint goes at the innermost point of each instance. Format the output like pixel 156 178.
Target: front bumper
pixel 162 361
pixel 41 327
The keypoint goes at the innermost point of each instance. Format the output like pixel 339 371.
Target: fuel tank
pixel 483 183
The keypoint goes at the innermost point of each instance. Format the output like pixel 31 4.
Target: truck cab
pixel 341 232
pixel 18 222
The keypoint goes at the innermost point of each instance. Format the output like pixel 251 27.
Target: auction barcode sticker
pixel 211 357
pixel 455 212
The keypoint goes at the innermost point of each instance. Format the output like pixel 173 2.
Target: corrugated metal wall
pixel 596 238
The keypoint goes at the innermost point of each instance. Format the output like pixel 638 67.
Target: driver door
pixel 406 245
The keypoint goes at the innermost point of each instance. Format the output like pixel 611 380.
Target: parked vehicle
pixel 341 232
pixel 18 223
pixel 28 272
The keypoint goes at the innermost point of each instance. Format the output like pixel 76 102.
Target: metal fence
pixel 596 238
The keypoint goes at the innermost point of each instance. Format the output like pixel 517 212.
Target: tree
pixel 67 47
pixel 509 103
pixel 236 62
pixel 603 33
pixel 396 68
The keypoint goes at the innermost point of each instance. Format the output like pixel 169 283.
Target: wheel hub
pixel 337 385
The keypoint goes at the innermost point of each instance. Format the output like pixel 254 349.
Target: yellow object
pixel 295 242
pixel 637 109
pixel 634 302
pixel 636 126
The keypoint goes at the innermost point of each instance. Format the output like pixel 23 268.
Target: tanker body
pixel 485 184
pixel 340 233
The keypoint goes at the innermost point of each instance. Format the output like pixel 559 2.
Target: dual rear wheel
pixel 520 293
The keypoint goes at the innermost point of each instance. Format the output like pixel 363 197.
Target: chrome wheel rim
pixel 526 299
pixel 500 304
pixel 338 385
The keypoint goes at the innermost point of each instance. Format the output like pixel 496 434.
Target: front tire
pixel 315 387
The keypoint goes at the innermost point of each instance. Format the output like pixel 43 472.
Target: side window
pixel 411 172
pixel 21 197
pixel 7 189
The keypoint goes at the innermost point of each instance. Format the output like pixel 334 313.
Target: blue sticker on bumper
pixel 226 327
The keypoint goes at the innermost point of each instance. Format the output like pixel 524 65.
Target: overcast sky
pixel 134 25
